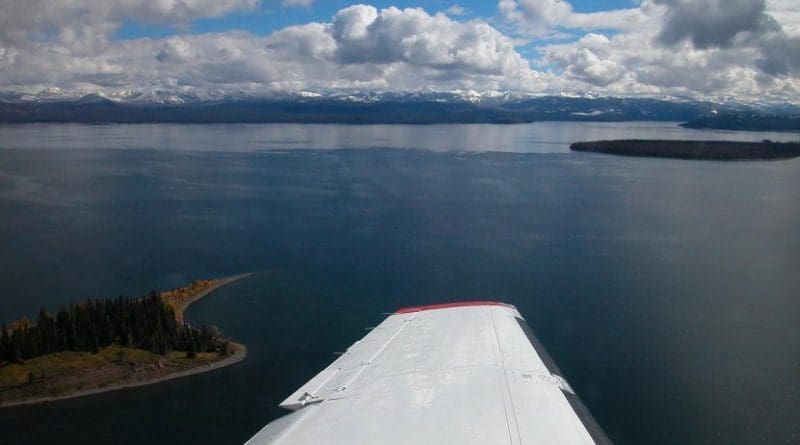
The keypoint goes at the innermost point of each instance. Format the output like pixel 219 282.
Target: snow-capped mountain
pixel 162 96
pixel 461 106
pixel 194 96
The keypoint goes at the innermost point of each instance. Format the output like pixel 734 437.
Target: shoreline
pixel 223 282
pixel 239 354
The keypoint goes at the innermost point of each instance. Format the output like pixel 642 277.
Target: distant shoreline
pixel 356 108
pixel 132 380
pixel 693 150
pixel 746 122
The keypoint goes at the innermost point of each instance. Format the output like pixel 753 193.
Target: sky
pixel 709 49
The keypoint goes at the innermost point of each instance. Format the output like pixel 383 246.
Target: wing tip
pixel 431 307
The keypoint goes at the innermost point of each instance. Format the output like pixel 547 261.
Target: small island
pixel 697 150
pixel 102 345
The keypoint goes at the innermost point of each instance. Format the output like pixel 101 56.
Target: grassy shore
pixel 72 374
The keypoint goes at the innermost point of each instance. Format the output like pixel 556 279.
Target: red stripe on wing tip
pixel 430 307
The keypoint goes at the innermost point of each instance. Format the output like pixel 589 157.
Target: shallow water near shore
pixel 667 291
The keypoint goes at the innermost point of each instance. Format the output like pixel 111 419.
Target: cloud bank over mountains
pixel 693 48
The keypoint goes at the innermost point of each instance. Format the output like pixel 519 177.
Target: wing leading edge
pixel 461 373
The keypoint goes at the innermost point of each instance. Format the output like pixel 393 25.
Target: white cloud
pixel 634 63
pixel 404 48
pixel 543 17
pixel 19 20
pixel 361 47
pixel 69 44
pixel 591 63
pixel 589 68
pixel 737 24
pixel 413 37
pixel 456 10
pixel 787 14
pixel 708 48
pixel 303 3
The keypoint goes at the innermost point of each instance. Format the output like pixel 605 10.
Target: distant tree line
pixel 144 323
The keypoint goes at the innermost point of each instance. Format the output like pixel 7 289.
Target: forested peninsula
pixel 100 345
pixel 698 150
pixel 746 122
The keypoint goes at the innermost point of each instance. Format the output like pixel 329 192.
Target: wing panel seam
pixel 503 374
pixel 363 368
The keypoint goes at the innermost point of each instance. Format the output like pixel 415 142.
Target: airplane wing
pixel 457 373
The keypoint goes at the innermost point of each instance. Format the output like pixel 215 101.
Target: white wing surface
pixel 457 373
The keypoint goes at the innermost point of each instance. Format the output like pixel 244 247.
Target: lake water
pixel 667 291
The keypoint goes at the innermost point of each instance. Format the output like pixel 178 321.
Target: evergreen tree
pixel 146 323
pixel 190 350
pixel 5 344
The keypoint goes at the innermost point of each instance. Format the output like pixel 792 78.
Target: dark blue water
pixel 667 291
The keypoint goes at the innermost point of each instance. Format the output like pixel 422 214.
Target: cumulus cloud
pixel 405 47
pixel 709 23
pixel 744 61
pixel 661 47
pixel 361 47
pixel 780 54
pixel 787 14
pixel 728 23
pixel 411 36
pixel 587 66
pixel 19 20
pixel 542 17
pixel 590 63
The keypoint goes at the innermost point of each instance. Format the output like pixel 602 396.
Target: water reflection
pixel 666 290
pixel 539 137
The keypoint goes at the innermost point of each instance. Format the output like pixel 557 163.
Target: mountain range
pixel 53 105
